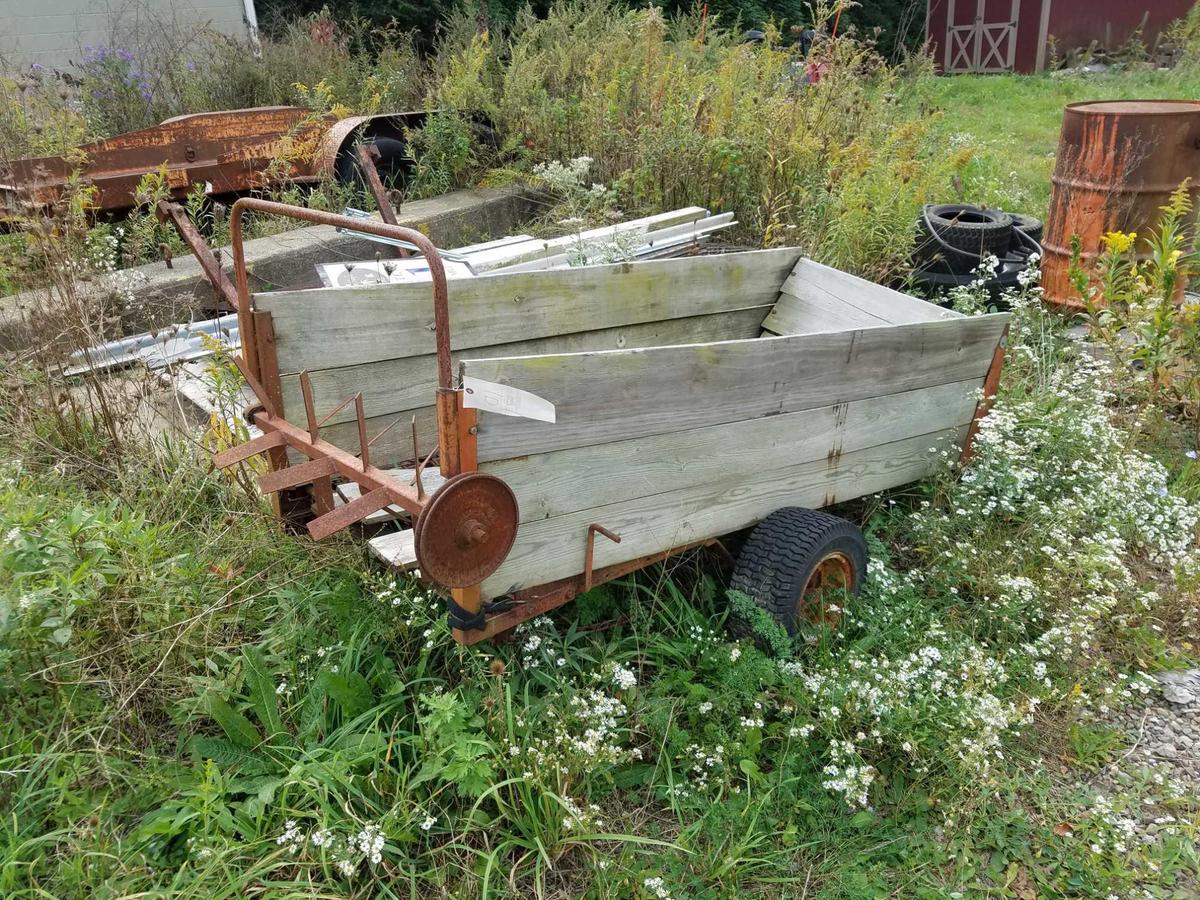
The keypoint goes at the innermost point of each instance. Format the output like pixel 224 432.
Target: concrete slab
pixel 288 259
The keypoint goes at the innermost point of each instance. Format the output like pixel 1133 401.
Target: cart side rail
pixel 669 445
pixel 817 298
pixel 377 340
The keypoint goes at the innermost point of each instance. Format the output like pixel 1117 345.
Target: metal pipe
pixel 437 272
pixel 166 211
pixel 367 156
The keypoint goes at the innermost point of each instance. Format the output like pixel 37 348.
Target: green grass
pixel 200 705
pixel 1013 122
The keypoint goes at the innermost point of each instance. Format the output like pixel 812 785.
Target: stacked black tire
pixel 953 240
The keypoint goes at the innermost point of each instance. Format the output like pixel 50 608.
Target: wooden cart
pixel 691 398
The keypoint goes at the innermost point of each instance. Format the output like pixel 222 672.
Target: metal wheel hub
pixel 466 530
pixel 832 577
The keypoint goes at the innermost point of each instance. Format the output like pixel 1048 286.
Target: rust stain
pixel 1118 163
pixel 227 149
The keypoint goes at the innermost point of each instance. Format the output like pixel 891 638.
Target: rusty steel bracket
pixel 166 211
pixel 991 384
pixel 591 548
pixel 243 452
pixel 368 156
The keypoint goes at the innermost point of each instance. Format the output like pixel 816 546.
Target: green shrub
pixel 835 166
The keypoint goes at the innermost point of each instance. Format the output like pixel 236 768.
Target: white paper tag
pixel 505 400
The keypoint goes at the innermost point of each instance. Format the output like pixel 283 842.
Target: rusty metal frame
pixel 228 151
pixel 991 385
pixel 456 424
pixel 166 211
pixel 532 602
pixel 257 363
pixel 368 157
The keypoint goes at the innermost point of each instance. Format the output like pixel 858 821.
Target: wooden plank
pixel 392 385
pixel 813 288
pixel 625 394
pixel 541 249
pixel 592 247
pixel 553 548
pixel 331 327
pixel 553 484
pixel 396 548
pixel 815 313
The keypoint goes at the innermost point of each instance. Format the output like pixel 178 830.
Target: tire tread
pixel 783 547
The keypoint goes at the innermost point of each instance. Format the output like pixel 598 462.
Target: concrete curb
pixel 288 259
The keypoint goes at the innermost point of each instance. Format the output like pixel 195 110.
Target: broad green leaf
pixel 227 755
pixel 237 728
pixel 262 691
pixel 862 818
pixel 351 692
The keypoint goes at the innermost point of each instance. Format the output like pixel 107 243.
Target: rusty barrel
pixel 1118 162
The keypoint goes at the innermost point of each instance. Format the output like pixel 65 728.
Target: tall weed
pixel 815 152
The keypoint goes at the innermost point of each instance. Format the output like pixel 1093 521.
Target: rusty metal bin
pixel 1118 162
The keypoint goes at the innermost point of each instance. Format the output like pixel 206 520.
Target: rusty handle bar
pixel 368 155
pixel 441 313
pixel 169 211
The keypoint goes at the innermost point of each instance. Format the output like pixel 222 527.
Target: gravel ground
pixel 1161 765
pixel 1165 731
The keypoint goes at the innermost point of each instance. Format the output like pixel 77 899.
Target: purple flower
pixel 1190 454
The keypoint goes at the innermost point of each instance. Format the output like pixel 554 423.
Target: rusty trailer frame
pixel 466 526
pixel 229 152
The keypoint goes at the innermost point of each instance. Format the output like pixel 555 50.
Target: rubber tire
pixel 393 164
pixel 1028 225
pixel 780 555
pixel 975 239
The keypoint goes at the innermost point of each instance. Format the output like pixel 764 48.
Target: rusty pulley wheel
pixel 832 578
pixel 466 530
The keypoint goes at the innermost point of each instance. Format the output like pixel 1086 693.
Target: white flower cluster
pixel 847 775
pixel 348 851
pixel 577 818
pixel 536 646
pixel 1058 464
pixel 949 687
pixel 657 888
pixel 622 678
pixel 705 768
pixel 585 733
pixel 1118 833
pixel 422 608
pixel 565 178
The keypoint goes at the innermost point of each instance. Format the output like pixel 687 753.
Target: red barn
pixel 1017 35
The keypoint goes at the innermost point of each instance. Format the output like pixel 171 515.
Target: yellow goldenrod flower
pixel 1119 241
